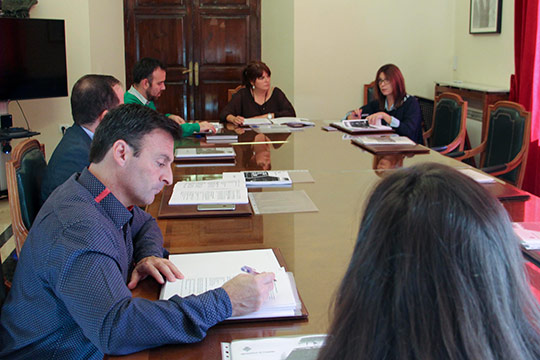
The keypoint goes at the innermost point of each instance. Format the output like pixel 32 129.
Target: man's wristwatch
pixel 270 116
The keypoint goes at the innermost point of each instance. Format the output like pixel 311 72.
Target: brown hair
pixel 394 75
pixel 252 71
pixel 436 273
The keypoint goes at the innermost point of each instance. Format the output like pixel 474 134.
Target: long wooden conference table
pixel 316 246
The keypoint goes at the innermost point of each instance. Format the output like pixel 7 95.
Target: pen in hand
pixel 250 270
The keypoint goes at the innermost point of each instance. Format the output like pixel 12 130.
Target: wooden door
pixel 204 43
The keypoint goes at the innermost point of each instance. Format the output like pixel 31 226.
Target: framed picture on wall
pixel 485 17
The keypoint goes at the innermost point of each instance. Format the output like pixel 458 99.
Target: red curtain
pixel 525 83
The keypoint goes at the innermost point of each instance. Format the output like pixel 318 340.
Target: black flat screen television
pixel 32 59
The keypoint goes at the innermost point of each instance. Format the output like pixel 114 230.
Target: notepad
pixel 208 271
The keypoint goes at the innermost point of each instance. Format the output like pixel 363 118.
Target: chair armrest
pixel 439 148
pixel 456 154
pixel 494 168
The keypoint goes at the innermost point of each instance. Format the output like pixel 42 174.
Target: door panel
pixel 225 41
pixel 218 37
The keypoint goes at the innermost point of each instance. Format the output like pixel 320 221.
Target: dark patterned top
pixel 242 104
pixel 69 298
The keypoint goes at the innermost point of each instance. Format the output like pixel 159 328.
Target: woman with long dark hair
pixel 436 273
pixel 258 98
pixel 392 105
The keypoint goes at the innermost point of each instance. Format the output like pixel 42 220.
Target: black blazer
pixel 70 156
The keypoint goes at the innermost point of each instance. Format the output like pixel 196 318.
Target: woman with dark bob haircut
pixel 392 105
pixel 258 98
pixel 436 273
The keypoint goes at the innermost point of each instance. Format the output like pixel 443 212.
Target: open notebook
pixel 208 271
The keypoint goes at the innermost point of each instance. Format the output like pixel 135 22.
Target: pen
pixel 250 270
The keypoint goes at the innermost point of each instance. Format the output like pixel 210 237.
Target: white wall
pixel 94 44
pixel 340 44
pixel 485 58
pixel 277 28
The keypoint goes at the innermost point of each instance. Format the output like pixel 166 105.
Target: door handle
pixel 196 74
pixel 190 71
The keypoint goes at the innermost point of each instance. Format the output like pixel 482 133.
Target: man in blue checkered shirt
pixel 90 245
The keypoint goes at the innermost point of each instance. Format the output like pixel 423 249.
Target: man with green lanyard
pixel 149 82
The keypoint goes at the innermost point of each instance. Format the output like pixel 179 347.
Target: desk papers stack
pixel 346 126
pixel 478 176
pixel 209 192
pixel 258 179
pixel 529 234
pixel 201 153
pixel 303 347
pixel 208 271
pixel 384 140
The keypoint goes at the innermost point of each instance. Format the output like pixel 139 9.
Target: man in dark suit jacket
pixel 91 98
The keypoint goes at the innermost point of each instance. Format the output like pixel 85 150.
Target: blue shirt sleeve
pixel 114 321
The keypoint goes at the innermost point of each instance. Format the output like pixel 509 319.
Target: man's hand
pixel 206 126
pixel 248 292
pixel 177 118
pixel 155 267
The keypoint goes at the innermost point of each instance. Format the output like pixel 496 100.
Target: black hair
pixel 91 95
pixel 436 273
pixel 129 122
pixel 144 69
pixel 253 71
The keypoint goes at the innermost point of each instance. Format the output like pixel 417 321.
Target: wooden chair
pixel 24 175
pixel 369 92
pixel 231 92
pixel 506 144
pixel 448 128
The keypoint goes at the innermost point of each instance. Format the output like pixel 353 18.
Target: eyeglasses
pixel 383 81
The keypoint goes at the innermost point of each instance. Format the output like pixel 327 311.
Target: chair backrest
pixel 507 139
pixel 426 107
pixel 369 92
pixel 24 174
pixel 449 122
pixel 231 92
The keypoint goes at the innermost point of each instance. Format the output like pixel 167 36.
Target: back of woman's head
pixel 436 273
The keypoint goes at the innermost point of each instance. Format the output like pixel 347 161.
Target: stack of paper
pixel 209 192
pixel 529 234
pixel 207 271
pixel 201 153
pixel 358 126
pixel 221 138
pixel 384 140
pixel 271 129
pixel 258 179
pixel 292 121
pixel 257 121
pixel 478 176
